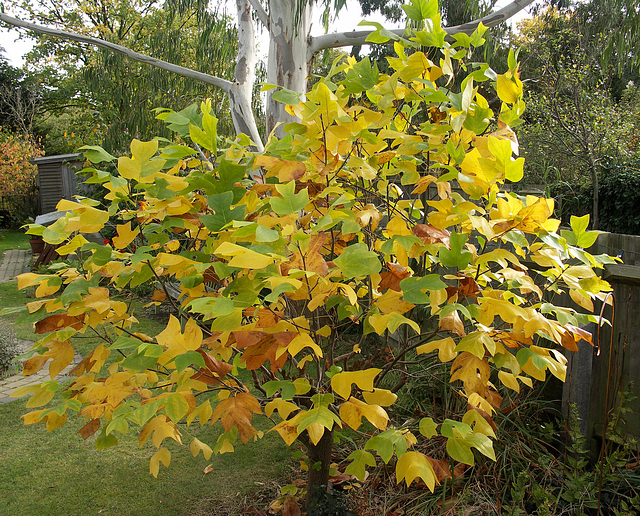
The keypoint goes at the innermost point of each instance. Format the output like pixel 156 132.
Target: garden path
pixel 14 262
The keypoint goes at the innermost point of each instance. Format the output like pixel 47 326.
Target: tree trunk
pixel 596 198
pixel 245 76
pixel 287 64
pixel 318 453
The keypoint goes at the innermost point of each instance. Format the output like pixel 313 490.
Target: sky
pixel 16 48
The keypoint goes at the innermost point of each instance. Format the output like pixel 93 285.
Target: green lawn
pixel 10 239
pixel 59 473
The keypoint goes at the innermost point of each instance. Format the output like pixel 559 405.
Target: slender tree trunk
pixel 241 92
pixel 287 64
pixel 319 453
pixel 595 221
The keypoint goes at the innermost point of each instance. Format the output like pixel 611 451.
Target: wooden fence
pixel 597 376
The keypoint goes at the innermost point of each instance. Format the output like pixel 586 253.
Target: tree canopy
pixel 313 280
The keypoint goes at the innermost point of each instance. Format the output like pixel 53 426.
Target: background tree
pixel 583 98
pixel 99 96
pixel 291 48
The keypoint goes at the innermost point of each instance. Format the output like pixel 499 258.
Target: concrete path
pixel 14 262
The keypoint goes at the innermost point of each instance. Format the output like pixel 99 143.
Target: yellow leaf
pixel 243 257
pixel 352 411
pixel 509 380
pixel 284 408
pixel 125 236
pixel 197 446
pixel 508 90
pixel 414 465
pixel 302 340
pixel 162 455
pixel 382 397
pixel 446 349
pixel 176 341
pixel 76 242
pixel 341 382
pixel 390 322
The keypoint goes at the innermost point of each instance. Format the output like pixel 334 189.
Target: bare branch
pixel 158 63
pixel 262 14
pixel 345 39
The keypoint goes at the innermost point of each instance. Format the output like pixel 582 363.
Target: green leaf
pixel 421 9
pixel 105 441
pixel 385 442
pixel 189 359
pixel 357 261
pixel 286 96
pixel 360 459
pixel 428 427
pixel 413 289
pixel 459 449
pixel 287 387
pixel 290 202
pixel 175 406
pixel 455 257
pixel 223 214
pixel 96 154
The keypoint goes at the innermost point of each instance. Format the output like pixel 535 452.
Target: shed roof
pixel 58 158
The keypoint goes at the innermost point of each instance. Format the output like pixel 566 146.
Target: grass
pixel 59 473
pixel 10 239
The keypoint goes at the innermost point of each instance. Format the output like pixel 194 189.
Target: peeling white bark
pixel 287 64
pixel 345 39
pixel 245 76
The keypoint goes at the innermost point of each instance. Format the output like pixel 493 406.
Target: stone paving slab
pixel 14 262
pixel 10 384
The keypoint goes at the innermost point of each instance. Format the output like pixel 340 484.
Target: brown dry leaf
pixel 431 235
pixel 57 322
pixel 468 287
pixel 291 507
pixel 391 279
pixel 453 324
pixel 158 295
pixel 208 469
pixel 89 429
pixel 440 468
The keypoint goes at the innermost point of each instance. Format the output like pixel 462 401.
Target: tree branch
pixel 262 14
pixel 344 39
pixel 158 63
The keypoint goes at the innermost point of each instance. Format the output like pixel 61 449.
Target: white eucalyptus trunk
pixel 287 64
pixel 245 77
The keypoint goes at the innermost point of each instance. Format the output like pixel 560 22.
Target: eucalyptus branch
pixel 223 84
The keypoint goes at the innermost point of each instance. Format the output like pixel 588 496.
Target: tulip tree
pixel 375 233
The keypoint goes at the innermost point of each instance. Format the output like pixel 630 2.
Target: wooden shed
pixel 57 179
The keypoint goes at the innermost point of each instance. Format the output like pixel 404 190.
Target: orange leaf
pixel 158 295
pixel 57 322
pixel 237 411
pixel 453 324
pixel 284 169
pixel 89 429
pixel 391 279
pixel 431 235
